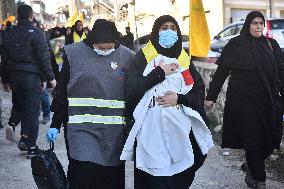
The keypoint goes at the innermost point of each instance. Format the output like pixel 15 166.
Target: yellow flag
pixel 72 19
pixel 80 17
pixel 198 32
pixel 11 18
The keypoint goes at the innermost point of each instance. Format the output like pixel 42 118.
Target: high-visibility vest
pixel 150 53
pixel 96 106
pixel 77 38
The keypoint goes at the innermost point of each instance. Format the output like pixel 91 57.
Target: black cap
pixel 104 31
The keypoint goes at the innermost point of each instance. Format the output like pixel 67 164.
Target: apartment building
pixel 236 10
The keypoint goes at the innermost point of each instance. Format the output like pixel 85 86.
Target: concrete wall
pixel 1 12
pixel 207 71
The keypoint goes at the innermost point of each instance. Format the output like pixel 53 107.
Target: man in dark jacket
pixel 26 68
pixel 128 39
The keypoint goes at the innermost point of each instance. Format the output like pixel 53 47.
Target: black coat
pixel 25 49
pixel 250 97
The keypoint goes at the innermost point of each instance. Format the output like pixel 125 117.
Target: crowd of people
pixel 115 105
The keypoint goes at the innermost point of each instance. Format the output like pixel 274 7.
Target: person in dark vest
pixel 91 93
pixel 77 34
pixel 169 138
pixel 253 108
pixel 26 69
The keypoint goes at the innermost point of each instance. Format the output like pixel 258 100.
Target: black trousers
pixel 26 95
pixel 183 180
pixel 88 175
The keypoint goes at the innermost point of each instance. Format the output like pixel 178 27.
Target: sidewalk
pixel 219 172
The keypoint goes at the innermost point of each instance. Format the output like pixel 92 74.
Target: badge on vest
pixel 113 65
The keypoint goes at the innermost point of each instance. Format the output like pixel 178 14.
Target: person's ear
pixel 31 18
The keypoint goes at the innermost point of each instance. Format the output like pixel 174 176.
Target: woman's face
pixel 79 26
pixel 256 27
pixel 168 25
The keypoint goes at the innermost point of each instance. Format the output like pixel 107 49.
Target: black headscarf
pixel 240 50
pixel 248 52
pixel 175 50
pixel 54 34
pixel 80 33
pixel 245 30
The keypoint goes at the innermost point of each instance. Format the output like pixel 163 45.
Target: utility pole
pixel 270 8
pixel 116 10
pixel 136 29
pixel 98 4
pixel 78 5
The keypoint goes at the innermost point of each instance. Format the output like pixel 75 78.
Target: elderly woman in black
pixel 252 114
pixel 169 139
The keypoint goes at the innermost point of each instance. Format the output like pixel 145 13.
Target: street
pixel 218 172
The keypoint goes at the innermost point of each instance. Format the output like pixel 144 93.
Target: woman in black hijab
pixel 165 42
pixel 252 114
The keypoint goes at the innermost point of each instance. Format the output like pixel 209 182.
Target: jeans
pixel 26 95
pixel 45 103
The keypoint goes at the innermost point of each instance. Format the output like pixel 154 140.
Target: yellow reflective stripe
pixel 101 103
pixel 88 118
pixel 150 53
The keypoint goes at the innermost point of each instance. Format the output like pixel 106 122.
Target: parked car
pixel 274 28
pixel 144 40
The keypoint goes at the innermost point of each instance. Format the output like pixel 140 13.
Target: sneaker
pixel 22 145
pixel 10 133
pixel 33 151
pixel 46 120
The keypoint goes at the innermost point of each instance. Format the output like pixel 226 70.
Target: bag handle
pixel 270 45
pixel 51 146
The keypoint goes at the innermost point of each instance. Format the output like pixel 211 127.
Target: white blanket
pixel 162 134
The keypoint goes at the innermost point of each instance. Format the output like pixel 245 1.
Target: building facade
pixel 236 10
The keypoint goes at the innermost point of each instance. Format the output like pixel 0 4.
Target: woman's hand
pixel 208 104
pixel 168 68
pixel 169 99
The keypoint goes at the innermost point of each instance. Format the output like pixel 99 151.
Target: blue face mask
pixel 167 38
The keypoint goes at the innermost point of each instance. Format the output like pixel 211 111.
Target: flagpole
pixel 136 29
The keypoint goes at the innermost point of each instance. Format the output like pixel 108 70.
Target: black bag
pixel 47 171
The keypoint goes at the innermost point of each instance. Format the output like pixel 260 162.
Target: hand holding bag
pixel 47 171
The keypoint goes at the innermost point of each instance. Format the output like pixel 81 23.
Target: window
pixel 185 38
pixel 228 32
pixel 277 24
pixel 238 29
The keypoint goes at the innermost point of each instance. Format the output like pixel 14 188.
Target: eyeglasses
pixel 257 23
